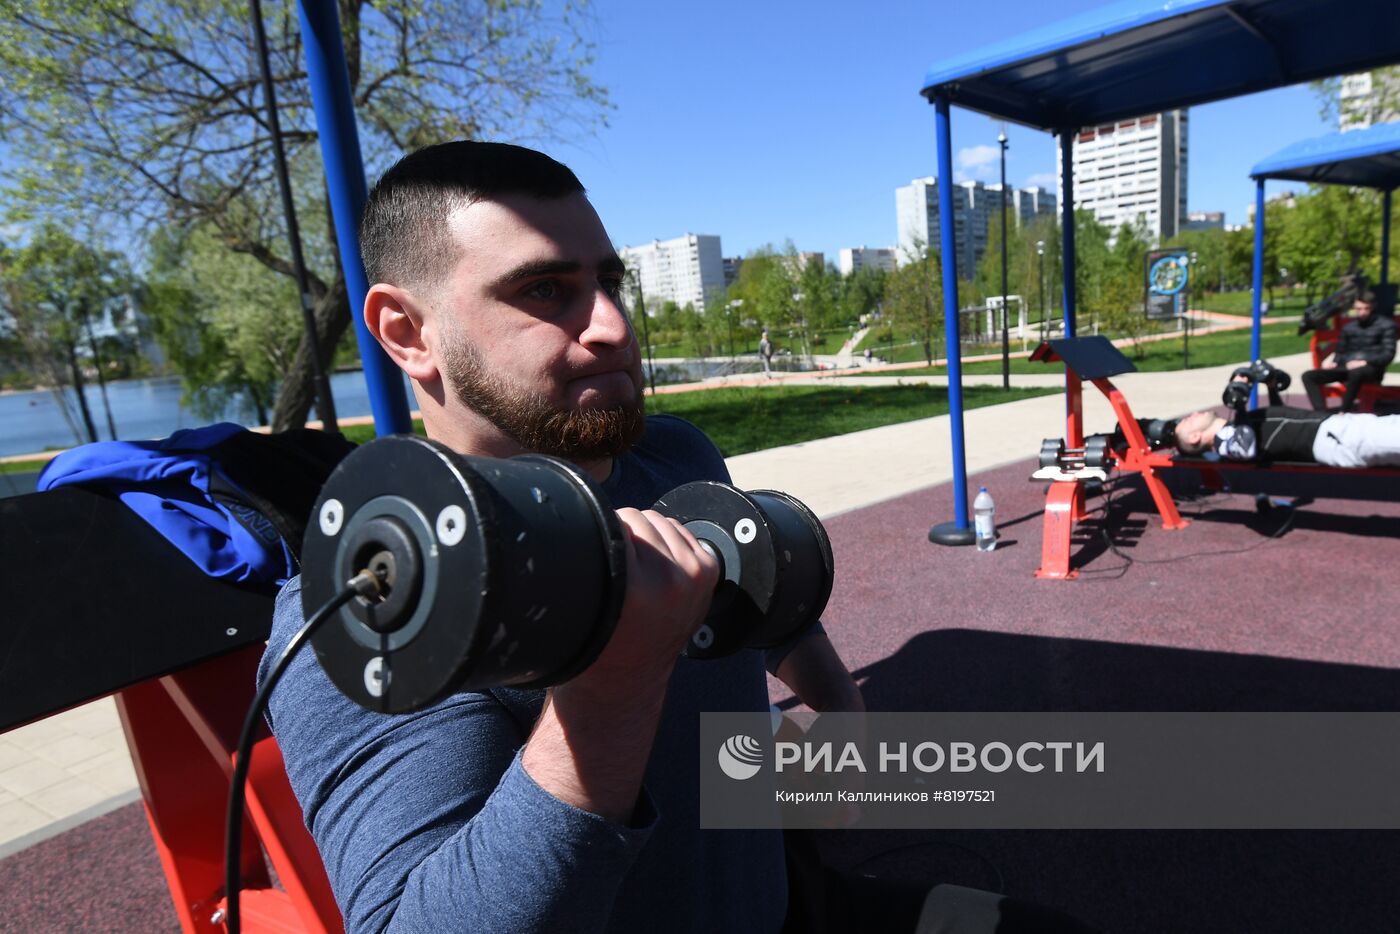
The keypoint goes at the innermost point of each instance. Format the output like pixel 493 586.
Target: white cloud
pixel 1044 180
pixel 978 160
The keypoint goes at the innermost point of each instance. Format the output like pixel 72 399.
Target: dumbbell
pixel 776 566
pixel 512 572
pixel 1262 372
pixel 1052 452
pixel 1096 453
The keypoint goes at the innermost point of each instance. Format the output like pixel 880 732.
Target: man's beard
pixel 532 421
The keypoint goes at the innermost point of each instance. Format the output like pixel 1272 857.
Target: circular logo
pixel 1168 275
pixel 740 757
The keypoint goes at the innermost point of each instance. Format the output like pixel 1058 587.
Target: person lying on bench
pixel 1283 433
pixel 1364 349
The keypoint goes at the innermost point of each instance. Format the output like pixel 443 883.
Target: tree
pixel 1092 269
pixel 765 285
pixel 220 319
pixel 914 299
pixel 862 291
pixel 1119 297
pixel 137 113
pixel 53 293
pixel 819 309
pixel 1380 106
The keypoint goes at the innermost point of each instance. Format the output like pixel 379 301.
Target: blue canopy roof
pixel 1138 57
pixel 1368 158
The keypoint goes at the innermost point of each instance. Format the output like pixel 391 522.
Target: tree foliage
pixel 220 319
pixel 765 286
pixel 126 113
pixel 1382 105
pixel 54 292
pixel 914 299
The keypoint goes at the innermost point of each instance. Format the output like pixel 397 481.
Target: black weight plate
pixel 419 482
pixel 805 568
pixel 738 609
pixel 557 593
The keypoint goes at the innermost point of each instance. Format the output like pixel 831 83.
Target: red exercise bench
pixel 1095 359
pixel 109 606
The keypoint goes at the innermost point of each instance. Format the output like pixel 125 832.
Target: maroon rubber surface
pixel 1233 620
pixel 101 876
pixel 1236 621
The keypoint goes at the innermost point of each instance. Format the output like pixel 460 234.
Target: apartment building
pixel 856 258
pixel 976 206
pixel 685 270
pixel 1133 171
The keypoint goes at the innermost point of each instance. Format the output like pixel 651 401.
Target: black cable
pixel 1130 560
pixel 363 584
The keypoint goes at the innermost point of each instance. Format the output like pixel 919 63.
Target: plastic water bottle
pixel 984 520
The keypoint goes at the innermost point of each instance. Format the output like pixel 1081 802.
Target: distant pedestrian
pixel 765 353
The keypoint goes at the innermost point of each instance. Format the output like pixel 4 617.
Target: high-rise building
pixel 1367 98
pixel 800 260
pixel 975 207
pixel 1205 220
pixel 732 265
pixel 857 258
pixel 687 270
pixel 1133 171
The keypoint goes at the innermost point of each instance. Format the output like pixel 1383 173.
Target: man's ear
pixel 395 318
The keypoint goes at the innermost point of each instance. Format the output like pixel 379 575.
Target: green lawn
pixel 746 344
pixel 904 348
pixel 744 419
pixel 1217 349
pixel 22 466
pixel 1242 303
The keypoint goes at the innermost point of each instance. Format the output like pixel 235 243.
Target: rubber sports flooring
pixel 1284 610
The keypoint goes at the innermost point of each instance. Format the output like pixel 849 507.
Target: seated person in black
pixel 1364 350
pixel 1283 433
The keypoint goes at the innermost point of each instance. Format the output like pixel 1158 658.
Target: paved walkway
pixel 72 767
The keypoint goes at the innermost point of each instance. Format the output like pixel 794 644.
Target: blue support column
pixel 1258 283
pixel 1067 258
pixel 1385 237
pixel 959 531
pixel 345 179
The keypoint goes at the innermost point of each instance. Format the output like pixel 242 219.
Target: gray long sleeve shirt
pixel 427 822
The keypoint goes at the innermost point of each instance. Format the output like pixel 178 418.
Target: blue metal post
pixel 1385 237
pixel 1067 259
pixel 1258 283
pixel 345 179
pixel 957 532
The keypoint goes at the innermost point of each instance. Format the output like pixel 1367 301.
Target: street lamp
pixel 729 319
pixel 1040 253
pixel 1005 339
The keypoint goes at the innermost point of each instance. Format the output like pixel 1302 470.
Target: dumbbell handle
pixel 713 552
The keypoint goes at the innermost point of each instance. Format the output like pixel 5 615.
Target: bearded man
pixel 498 292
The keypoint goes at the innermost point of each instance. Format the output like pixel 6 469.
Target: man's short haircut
pixel 1368 296
pixel 404 237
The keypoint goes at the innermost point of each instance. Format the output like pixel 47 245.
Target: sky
pixel 768 121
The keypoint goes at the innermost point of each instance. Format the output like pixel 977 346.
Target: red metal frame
pixel 1064 503
pixel 182 730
